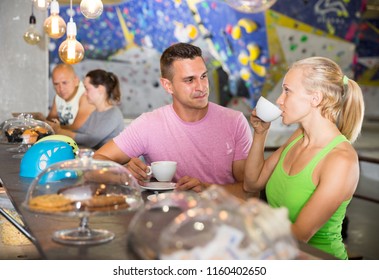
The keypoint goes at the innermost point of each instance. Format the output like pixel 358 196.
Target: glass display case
pixel 82 188
pixel 23 131
pixel 211 225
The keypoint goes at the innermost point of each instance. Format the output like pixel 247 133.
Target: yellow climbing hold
pixel 192 31
pixel 247 24
pixel 254 51
pixel 243 58
pixel 236 32
pixel 245 74
pixel 258 69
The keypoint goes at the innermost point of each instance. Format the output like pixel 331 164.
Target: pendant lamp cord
pixel 71 10
pixel 32 9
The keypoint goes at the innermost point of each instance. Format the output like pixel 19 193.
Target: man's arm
pixel 53 114
pixel 110 151
pixel 85 109
pixel 236 188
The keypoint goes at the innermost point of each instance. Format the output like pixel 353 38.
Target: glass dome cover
pixel 24 129
pixel 81 188
pixel 147 224
pixel 210 225
pixel 222 227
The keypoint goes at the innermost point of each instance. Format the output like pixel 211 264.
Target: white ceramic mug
pixel 266 110
pixel 163 171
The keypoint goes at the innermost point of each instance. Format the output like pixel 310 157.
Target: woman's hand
pixel 258 125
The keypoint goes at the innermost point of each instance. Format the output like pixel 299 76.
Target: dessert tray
pixel 82 188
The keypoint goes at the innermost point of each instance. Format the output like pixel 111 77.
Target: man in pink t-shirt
pixel 209 142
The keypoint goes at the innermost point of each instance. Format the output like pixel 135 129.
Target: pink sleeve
pixel 243 136
pixel 131 140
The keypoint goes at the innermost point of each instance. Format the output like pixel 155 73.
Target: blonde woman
pixel 315 173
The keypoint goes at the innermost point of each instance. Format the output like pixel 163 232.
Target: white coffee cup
pixel 266 110
pixel 163 171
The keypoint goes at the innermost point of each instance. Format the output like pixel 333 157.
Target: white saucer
pixel 152 197
pixel 159 186
pixel 156 196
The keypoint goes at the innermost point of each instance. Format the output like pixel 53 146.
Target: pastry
pixel 105 203
pixel 51 203
pixel 30 136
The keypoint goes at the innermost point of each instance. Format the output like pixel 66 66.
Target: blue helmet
pixel 64 138
pixel 43 154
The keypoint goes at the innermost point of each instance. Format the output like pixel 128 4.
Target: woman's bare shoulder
pixel 344 152
pixel 341 169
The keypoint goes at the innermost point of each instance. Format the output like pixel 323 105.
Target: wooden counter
pixel 41 227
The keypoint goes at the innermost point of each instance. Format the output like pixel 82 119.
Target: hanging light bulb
pixel 54 25
pixel 41 4
pixel 32 36
pixel 71 51
pixel 91 8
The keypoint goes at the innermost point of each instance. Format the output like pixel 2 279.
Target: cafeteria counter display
pixel 39 228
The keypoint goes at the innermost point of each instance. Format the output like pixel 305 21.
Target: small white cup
pixel 163 171
pixel 266 110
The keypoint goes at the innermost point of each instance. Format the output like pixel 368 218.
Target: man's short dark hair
pixel 175 52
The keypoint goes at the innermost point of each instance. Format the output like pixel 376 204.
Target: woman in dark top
pixel 106 122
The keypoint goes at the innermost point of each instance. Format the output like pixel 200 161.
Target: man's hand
pixel 55 125
pixel 138 169
pixel 188 183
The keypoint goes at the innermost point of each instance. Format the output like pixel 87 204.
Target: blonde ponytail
pixel 352 113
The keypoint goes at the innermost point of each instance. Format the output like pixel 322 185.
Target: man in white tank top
pixel 70 106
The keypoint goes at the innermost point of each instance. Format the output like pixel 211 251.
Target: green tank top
pixel 294 191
